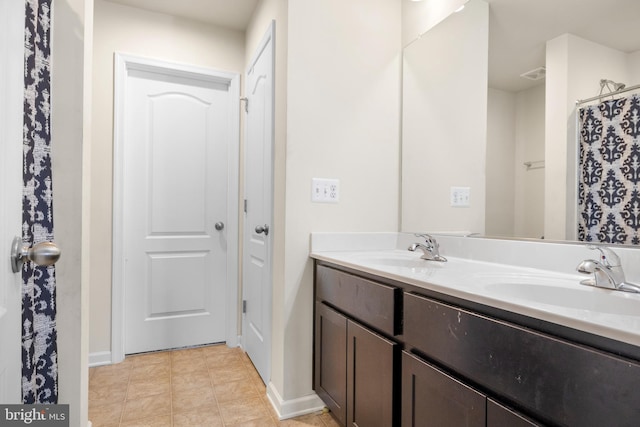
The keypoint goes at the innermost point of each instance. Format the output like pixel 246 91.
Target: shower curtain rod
pixel 626 89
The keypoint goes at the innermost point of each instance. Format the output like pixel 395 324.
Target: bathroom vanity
pixel 401 343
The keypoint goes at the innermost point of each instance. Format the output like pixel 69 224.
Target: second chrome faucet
pixel 430 248
pixel 607 272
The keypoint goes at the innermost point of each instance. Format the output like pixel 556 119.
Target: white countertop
pixel 548 295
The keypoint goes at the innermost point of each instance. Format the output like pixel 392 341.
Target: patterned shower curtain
pixel 609 169
pixel 39 350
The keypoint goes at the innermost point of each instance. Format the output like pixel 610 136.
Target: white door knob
pixel 263 229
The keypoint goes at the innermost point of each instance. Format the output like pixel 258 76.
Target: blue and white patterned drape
pixel 39 348
pixel 609 169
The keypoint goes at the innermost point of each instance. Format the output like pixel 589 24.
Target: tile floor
pixel 205 386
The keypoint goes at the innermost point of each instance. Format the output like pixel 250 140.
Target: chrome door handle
pixel 263 229
pixel 219 225
pixel 44 254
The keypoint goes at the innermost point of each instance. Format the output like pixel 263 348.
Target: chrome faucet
pixel 430 249
pixel 607 273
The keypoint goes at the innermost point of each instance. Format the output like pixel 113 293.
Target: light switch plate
pixel 325 190
pixel 460 197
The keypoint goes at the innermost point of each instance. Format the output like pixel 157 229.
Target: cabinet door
pixel 331 360
pixel 430 397
pixel 370 375
pixel 501 416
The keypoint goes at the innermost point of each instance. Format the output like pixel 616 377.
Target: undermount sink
pixel 580 297
pixel 396 260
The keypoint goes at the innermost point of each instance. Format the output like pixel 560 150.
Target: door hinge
pixel 245 205
pixel 244 306
pixel 246 103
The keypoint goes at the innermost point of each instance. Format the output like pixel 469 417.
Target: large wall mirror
pixel 489 140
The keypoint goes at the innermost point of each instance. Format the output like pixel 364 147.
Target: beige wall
pixel 501 168
pixel 69 126
pixel 529 192
pixel 420 16
pixel 634 67
pixel 444 117
pixel 124 29
pixel 343 115
pixel 515 135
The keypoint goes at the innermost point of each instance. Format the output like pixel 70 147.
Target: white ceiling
pixel 233 14
pixel 517 35
pixel 518 30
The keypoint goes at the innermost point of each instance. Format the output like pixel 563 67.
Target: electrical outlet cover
pixel 325 190
pixel 460 197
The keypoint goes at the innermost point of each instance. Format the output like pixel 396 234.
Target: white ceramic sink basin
pixel 578 297
pixel 397 259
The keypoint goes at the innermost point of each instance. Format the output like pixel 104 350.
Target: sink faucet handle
pixel 428 237
pixel 430 242
pixel 607 256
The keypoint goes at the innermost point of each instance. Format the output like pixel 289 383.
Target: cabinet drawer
pixel 432 398
pixel 554 379
pixel 374 304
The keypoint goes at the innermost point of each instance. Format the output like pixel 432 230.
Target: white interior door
pixel 175 183
pixel 11 105
pixel 258 229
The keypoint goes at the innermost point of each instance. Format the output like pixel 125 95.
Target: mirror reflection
pixel 501 158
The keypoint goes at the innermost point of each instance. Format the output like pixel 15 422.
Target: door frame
pixel 12 32
pixel 124 64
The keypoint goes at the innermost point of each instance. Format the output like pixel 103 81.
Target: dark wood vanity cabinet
pixel 388 355
pixel 355 361
pixel 354 370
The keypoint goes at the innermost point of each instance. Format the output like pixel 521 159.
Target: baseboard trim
pixel 293 408
pixel 99 359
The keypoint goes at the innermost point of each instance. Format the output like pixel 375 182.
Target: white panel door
pixel 258 230
pixel 11 105
pixel 176 135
